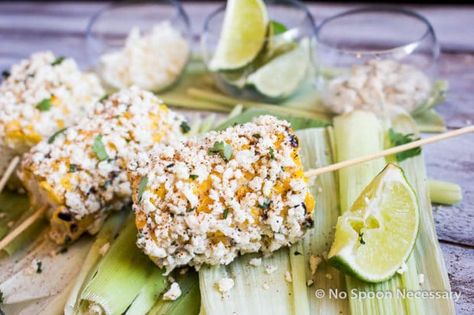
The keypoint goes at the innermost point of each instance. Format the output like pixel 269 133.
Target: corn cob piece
pixel 207 200
pixel 80 174
pixel 39 96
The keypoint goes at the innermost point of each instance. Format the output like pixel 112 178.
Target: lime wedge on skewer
pixel 243 34
pixel 376 236
pixel 282 75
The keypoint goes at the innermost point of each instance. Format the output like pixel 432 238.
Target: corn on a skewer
pixel 39 96
pixel 81 173
pixel 208 200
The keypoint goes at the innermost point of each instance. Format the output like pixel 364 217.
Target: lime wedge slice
pixel 376 236
pixel 282 75
pixel 243 34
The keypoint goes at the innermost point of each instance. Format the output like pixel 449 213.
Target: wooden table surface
pixel 27 27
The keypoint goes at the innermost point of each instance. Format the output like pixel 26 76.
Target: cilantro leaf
pixel 193 176
pixel 44 105
pixel 223 149
pixel 185 128
pixel 397 138
pixel 142 187
pixel 226 213
pixel 277 28
pixel 54 135
pixel 99 148
pixel 58 61
pixel 272 154
pixel 103 98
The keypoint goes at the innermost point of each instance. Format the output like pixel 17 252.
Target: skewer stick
pixel 394 150
pixel 22 227
pixel 9 171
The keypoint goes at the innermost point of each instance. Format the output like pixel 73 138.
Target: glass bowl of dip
pixel 143 43
pixel 295 36
pixel 378 56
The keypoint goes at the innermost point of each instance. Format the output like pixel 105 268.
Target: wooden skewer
pixel 22 227
pixel 9 171
pixel 394 150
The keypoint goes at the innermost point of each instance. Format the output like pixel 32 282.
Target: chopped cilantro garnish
pixel 193 176
pixel 190 209
pixel 272 153
pixel 256 136
pixel 397 139
pixel 58 61
pixel 142 187
pixel 44 105
pixel 39 266
pixel 99 148
pixel 103 98
pixel 277 27
pixel 185 128
pixel 265 205
pixel 72 168
pixel 226 213
pixel 57 133
pixel 223 149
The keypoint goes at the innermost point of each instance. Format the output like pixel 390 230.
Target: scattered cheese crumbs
pixel 270 269
pixel 421 278
pixel 328 276
pixel 310 282
pixel 103 250
pixel 265 286
pixel 183 271
pixel 152 61
pixel 320 189
pixel 10 224
pixel 225 285
pixel 402 269
pixel 314 261
pixel 255 262
pixel 173 293
pixel 2 215
pixel 171 279
pixel 288 277
pixel 95 309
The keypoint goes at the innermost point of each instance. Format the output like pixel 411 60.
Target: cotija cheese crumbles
pixel 39 96
pixel 207 200
pixel 80 173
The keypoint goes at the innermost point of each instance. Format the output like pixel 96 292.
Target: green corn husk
pixel 149 294
pixel 118 278
pixel 188 303
pixel 12 207
pixel 106 235
pixel 445 193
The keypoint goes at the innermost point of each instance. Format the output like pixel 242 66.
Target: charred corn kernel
pixel 40 95
pixel 81 173
pixel 207 200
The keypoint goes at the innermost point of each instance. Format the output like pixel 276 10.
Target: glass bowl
pixel 109 28
pixel 372 34
pixel 299 24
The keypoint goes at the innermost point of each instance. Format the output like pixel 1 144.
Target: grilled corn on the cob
pixel 39 96
pixel 208 200
pixel 81 173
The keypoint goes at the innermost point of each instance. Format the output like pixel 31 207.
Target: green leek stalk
pixel 444 192
pixel 119 277
pixel 149 294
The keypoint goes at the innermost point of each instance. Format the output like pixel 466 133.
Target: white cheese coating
pixel 224 285
pixel 69 174
pixel 255 262
pixel 378 82
pixel 173 293
pixel 255 201
pixel 152 61
pixel 71 95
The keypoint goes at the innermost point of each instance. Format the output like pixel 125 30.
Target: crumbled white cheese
pixel 173 293
pixel 403 268
pixel 288 277
pixel 314 261
pixel 104 249
pixel 152 61
pixel 309 283
pixel 328 276
pixel 421 278
pixel 224 285
pixel 255 262
pixel 265 286
pixel 270 269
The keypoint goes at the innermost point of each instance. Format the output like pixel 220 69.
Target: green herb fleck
pixel 103 98
pixel 297 253
pixel 44 105
pixel 223 149
pixel 265 205
pixel 193 176
pixel 190 209
pixel 277 28
pixel 272 153
pixel 226 213
pixel 72 168
pixel 39 266
pixel 99 148
pixel 185 128
pixel 397 139
pixel 58 61
pixel 142 187
pixel 256 136
pixel 57 133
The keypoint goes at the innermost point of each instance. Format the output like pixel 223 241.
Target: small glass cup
pixel 293 14
pixel 374 33
pixel 108 29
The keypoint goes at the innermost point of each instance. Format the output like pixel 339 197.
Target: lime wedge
pixel 376 236
pixel 282 75
pixel 243 34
